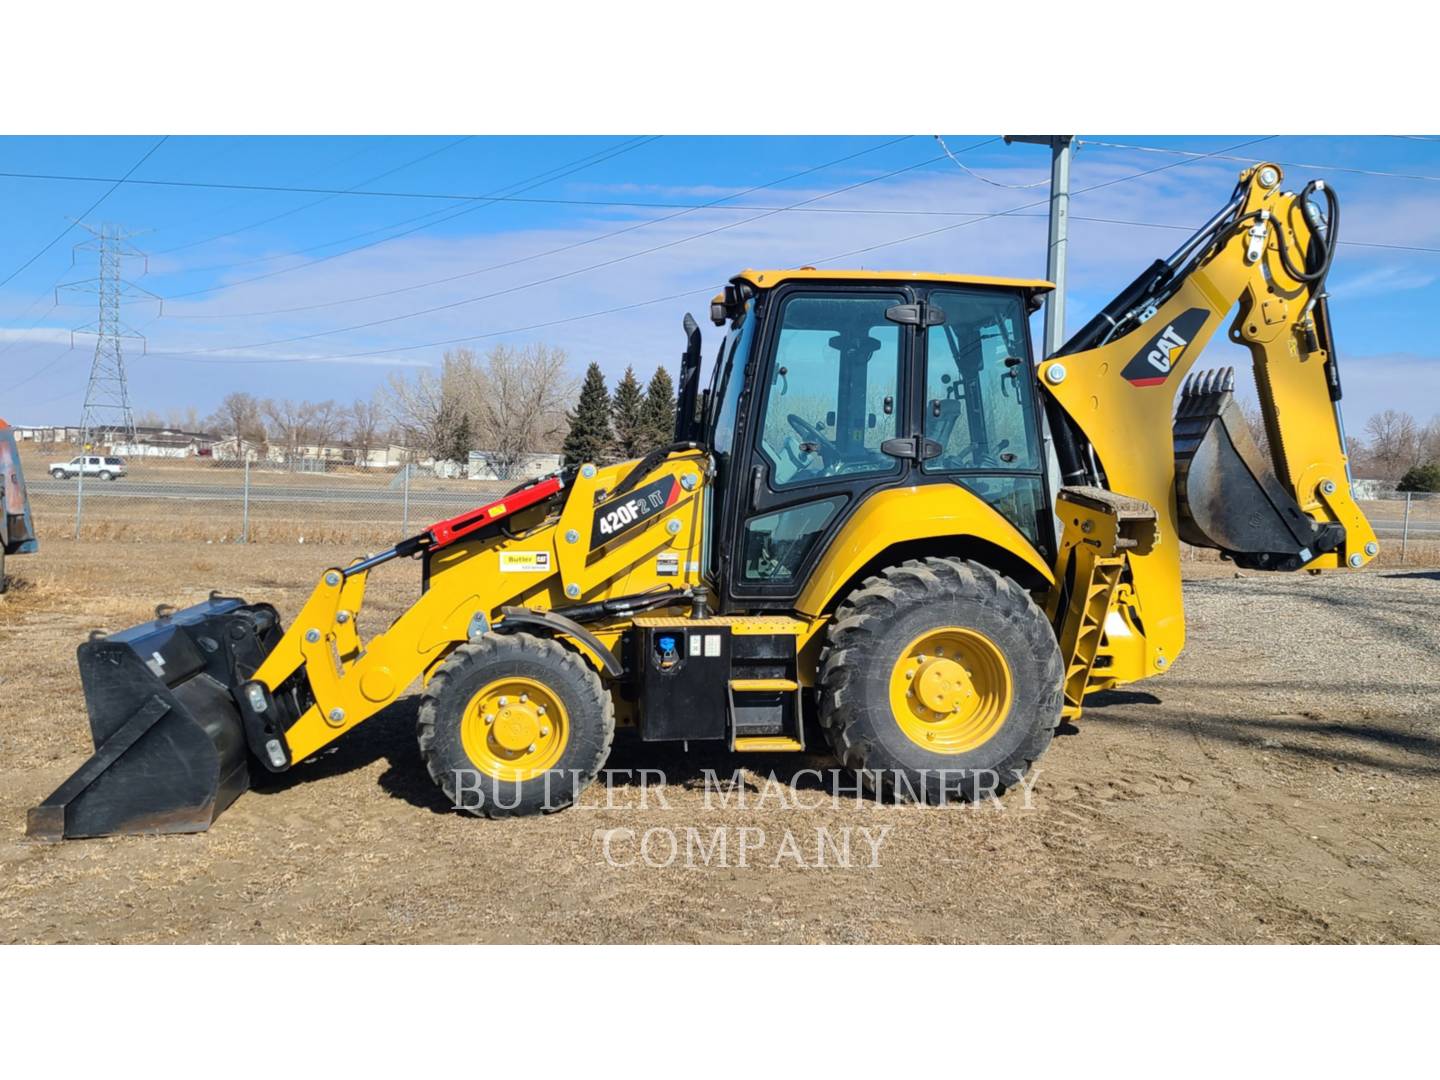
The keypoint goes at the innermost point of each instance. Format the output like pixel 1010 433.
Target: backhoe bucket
pixel 1227 495
pixel 170 746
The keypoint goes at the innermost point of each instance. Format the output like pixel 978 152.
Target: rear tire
pixel 105 474
pixel 549 729
pixel 992 726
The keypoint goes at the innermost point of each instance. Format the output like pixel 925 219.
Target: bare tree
pixel 522 395
pixel 239 417
pixel 427 409
pixel 287 422
pixel 1430 442
pixel 323 422
pixel 364 422
pixel 1394 442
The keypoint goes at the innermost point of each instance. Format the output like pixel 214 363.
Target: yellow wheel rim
pixel 950 690
pixel 514 729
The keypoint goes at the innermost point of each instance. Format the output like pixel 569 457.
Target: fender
pixel 517 618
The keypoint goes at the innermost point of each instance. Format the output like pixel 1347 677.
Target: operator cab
pixel 831 385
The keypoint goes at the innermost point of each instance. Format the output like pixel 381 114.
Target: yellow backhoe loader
pixel 881 514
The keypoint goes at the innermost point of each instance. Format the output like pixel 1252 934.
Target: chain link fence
pixel 215 501
pixel 1407 522
pixel 308 501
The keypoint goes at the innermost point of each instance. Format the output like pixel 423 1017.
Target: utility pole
pixel 1060 151
pixel 107 410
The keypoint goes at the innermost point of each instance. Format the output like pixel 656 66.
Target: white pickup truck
pixel 102 468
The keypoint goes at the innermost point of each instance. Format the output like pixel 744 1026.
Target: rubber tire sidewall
pixel 1032 655
pixel 589 718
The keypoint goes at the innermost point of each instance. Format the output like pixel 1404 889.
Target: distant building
pixel 313 455
pixel 483 466
pixel 149 441
pixel 165 443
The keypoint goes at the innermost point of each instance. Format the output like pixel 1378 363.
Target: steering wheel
pixel 829 452
pixel 981 457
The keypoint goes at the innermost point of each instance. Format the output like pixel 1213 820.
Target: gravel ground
pixel 1278 785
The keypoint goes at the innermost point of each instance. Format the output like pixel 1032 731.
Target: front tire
pixel 940 679
pixel 514 725
pixel 59 474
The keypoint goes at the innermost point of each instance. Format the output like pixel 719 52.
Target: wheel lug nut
pixel 540 709
pixel 524 698
pixel 530 749
pixel 504 701
pixel 489 718
pixel 544 731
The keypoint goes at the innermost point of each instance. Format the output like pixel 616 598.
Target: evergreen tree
pixel 627 416
pixel 589 436
pixel 1421 478
pixel 659 410
pixel 457 437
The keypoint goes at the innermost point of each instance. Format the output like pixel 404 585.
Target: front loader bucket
pixel 170 747
pixel 1227 496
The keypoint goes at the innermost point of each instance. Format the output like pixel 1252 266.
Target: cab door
pixel 980 417
pixel 829 424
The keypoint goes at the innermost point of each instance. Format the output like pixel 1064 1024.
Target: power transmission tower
pixel 107 412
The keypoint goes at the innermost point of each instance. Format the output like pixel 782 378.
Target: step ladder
pixel 1102 530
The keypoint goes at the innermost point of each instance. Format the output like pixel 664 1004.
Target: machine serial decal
pixel 1152 365
pixel 621 515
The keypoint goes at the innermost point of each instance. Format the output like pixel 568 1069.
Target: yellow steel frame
pixel 1129 426
pixel 351 680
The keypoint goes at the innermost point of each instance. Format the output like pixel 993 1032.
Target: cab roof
pixel 766 279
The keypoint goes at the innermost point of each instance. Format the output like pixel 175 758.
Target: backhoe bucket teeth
pixel 1227 496
pixel 170 746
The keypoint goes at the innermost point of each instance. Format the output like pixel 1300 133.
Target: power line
pixel 713 204
pixel 541 179
pixel 87 212
pixel 579 270
pixel 1016 211
pixel 985 179
pixel 709 291
pixel 873 247
pixel 324 198
pixel 1291 164
pixel 40 371
pixel 1042 202
pixel 246 199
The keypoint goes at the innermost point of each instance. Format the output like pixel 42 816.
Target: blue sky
pixel 307 294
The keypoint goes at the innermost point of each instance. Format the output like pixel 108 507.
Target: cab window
pixel 977 385
pixel 833 389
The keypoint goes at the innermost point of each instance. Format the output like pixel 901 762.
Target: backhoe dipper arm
pixel 1112 393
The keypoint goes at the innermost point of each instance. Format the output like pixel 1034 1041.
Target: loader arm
pixel 554 546
pixel 1112 393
